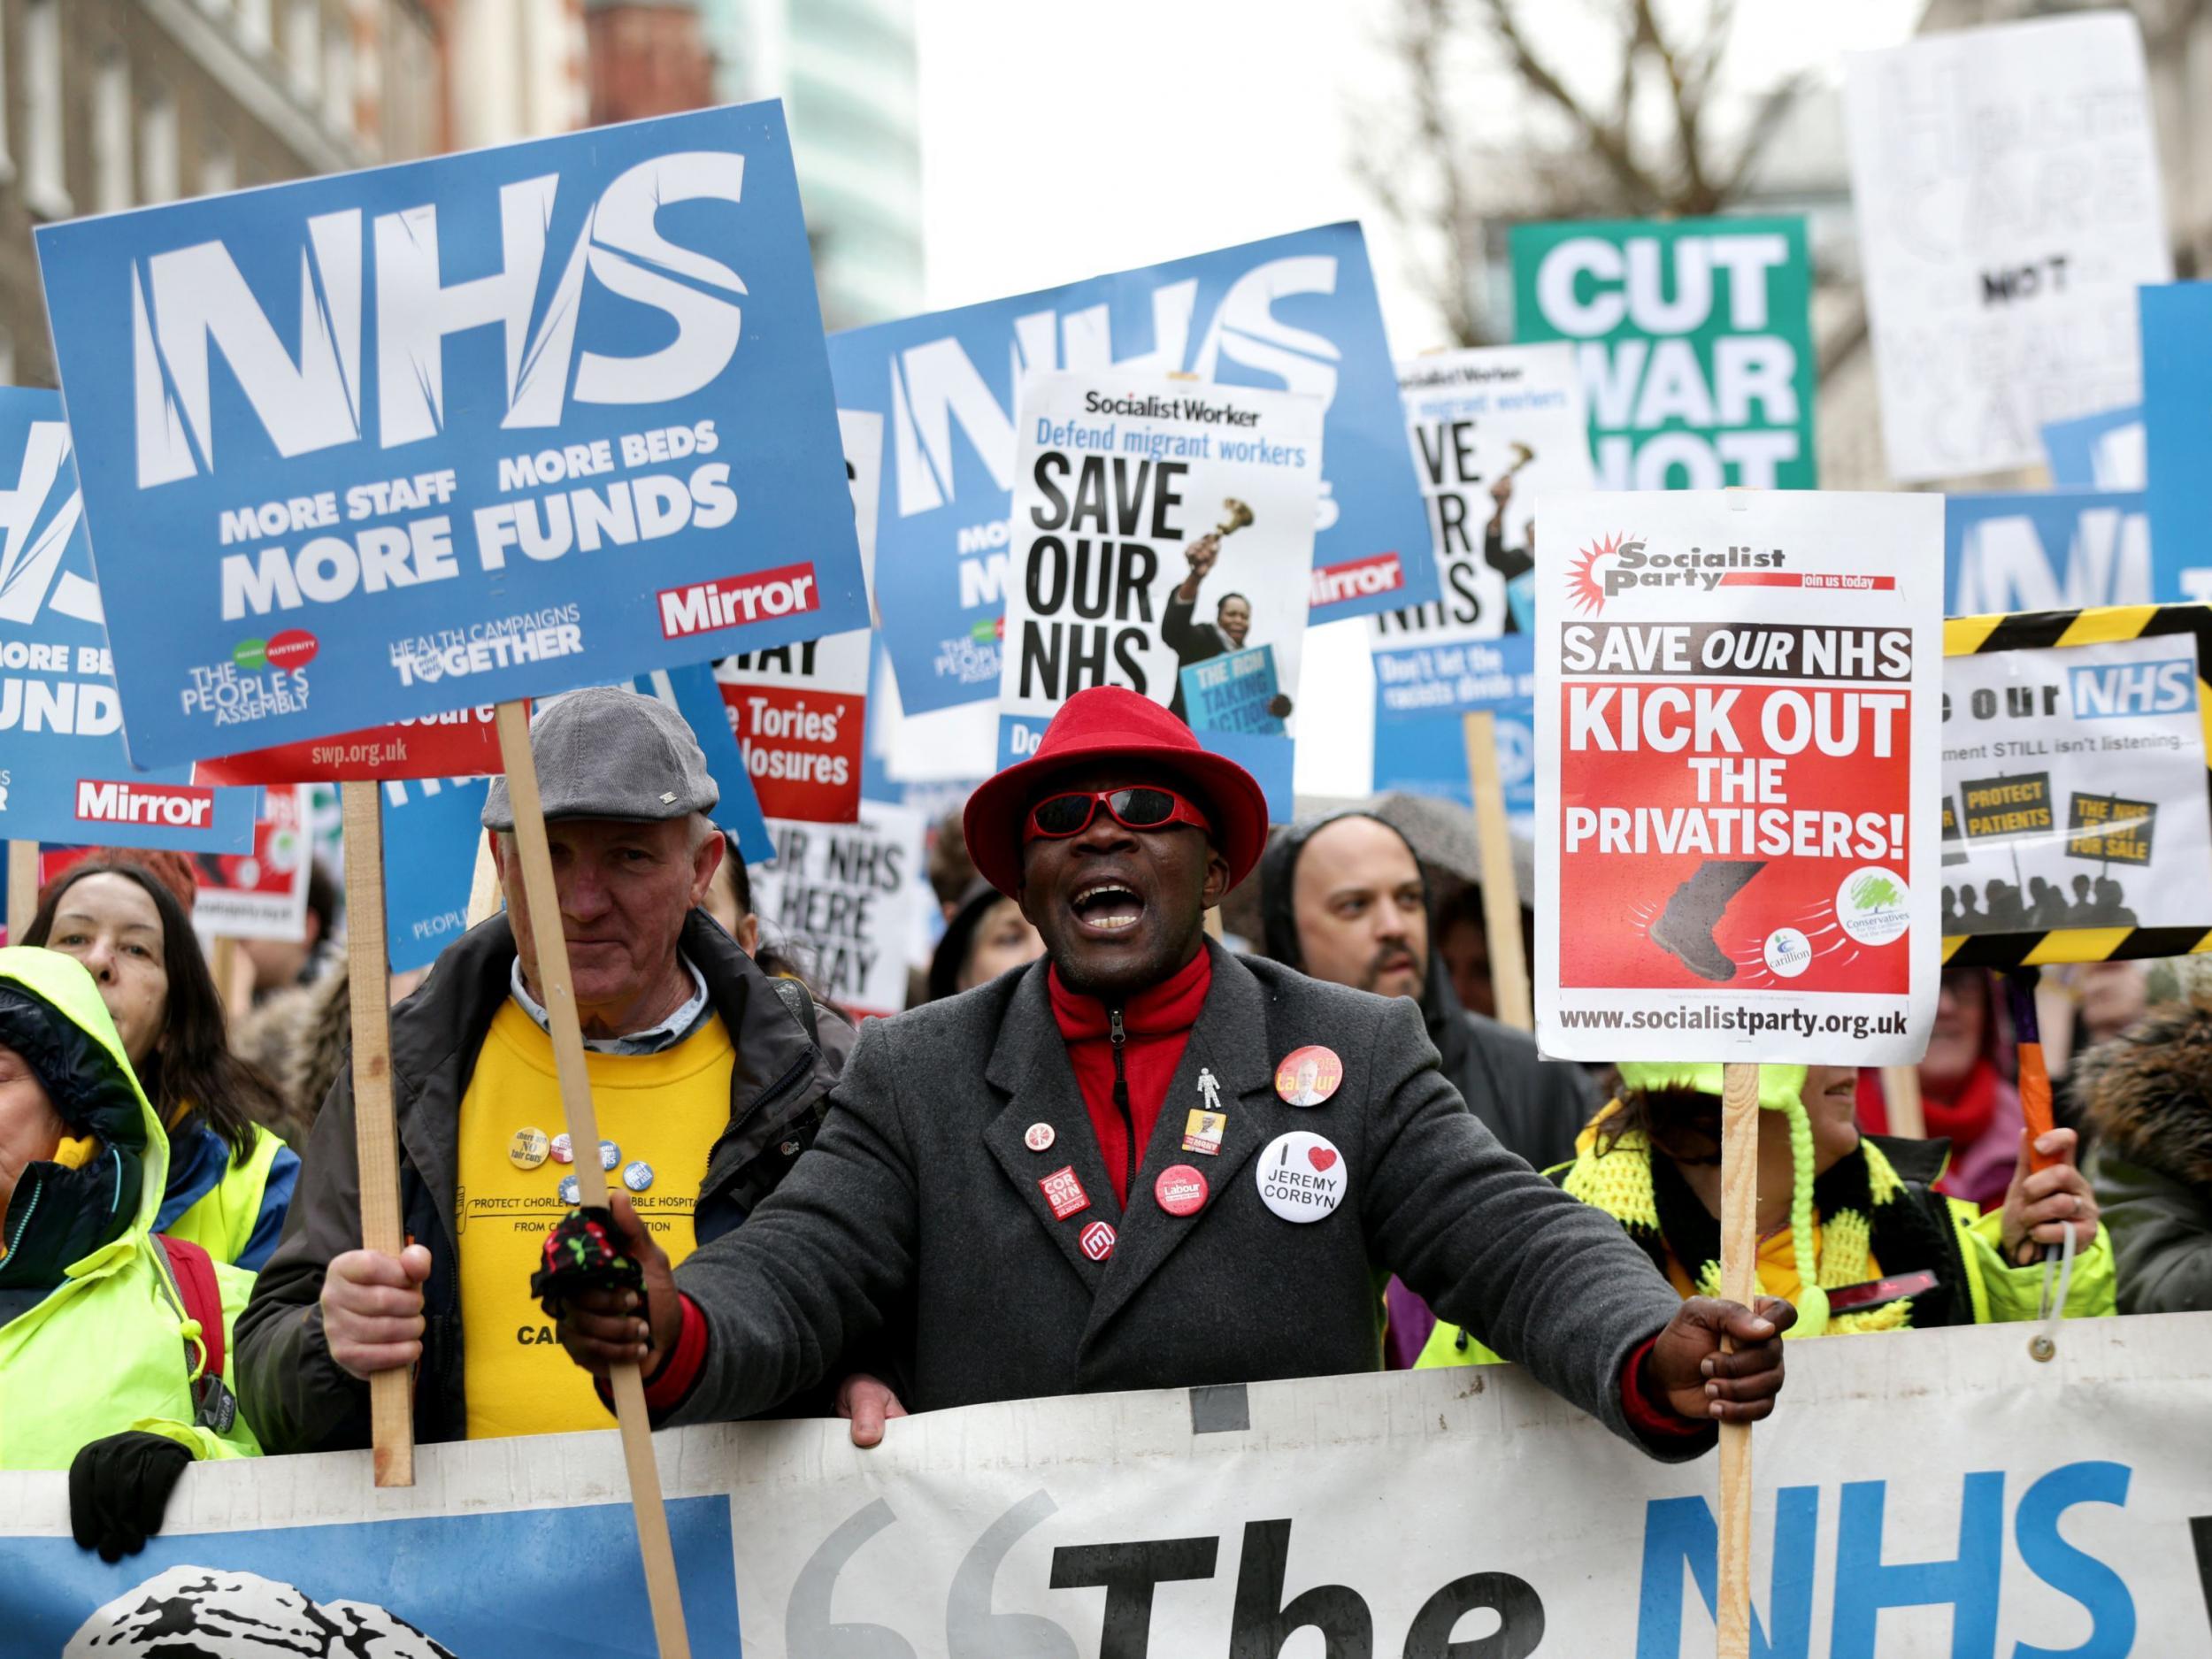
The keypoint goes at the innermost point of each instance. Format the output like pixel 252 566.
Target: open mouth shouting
pixel 1106 907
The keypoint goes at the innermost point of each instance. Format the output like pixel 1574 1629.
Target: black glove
pixel 118 1487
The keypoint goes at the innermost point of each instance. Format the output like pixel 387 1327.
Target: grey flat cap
pixel 604 752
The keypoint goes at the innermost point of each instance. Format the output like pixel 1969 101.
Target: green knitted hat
pixel 1781 1089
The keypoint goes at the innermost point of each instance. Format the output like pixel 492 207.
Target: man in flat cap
pixel 1143 1162
pixel 709 1079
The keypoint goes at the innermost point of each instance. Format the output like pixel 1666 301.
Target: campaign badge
pixel 1308 1076
pixel 1180 1190
pixel 1202 1130
pixel 1301 1176
pixel 1064 1190
pixel 1097 1240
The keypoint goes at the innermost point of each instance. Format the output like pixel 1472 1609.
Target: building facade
pixel 108 104
pixel 847 72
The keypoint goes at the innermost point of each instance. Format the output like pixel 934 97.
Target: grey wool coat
pixel 917 1220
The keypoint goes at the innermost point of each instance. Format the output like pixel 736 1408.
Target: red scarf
pixel 1156 1023
pixel 1962 1116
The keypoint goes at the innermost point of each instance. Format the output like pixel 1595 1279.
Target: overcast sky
pixel 1063 138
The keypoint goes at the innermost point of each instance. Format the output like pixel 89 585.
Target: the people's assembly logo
pixel 1613 564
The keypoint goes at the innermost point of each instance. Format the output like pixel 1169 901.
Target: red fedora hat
pixel 1108 723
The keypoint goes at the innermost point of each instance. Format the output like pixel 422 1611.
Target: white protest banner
pixel 1493 430
pixel 382 444
pixel 800 712
pixel 842 897
pixel 2006 181
pixel 1163 542
pixel 262 894
pixel 2075 797
pixel 1932 1494
pixel 1736 732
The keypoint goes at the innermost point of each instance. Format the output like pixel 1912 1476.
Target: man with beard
pixel 1345 900
pixel 1018 1193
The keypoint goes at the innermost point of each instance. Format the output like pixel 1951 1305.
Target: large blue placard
pixel 1423 694
pixel 494 425
pixel 2051 550
pixel 1297 312
pixel 2099 451
pixel 64 773
pixel 2177 321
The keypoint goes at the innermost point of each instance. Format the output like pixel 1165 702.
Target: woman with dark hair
pixel 230 1179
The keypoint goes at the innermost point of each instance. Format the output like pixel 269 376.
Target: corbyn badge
pixel 1301 1176
pixel 1308 1076
pixel 1064 1190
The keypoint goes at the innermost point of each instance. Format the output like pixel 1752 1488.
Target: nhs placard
pixel 1295 313
pixel 64 775
pixel 429 436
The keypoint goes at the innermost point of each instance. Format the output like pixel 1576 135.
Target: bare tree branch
pixel 1608 140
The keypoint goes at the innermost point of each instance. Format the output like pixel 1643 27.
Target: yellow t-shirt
pixel 666 1110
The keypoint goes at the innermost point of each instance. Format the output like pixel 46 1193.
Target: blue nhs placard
pixel 395 442
pixel 1297 312
pixel 64 775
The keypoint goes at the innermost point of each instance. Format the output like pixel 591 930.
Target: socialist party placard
pixel 2074 783
pixel 1162 535
pixel 1737 718
pixel 1695 342
pixel 390 443
pixel 1295 313
pixel 2006 183
pixel 64 773
pixel 801 712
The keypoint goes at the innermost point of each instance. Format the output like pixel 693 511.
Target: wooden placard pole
pixel 375 1130
pixel 1900 1094
pixel 1739 1282
pixel 22 888
pixel 542 901
pixel 222 963
pixel 1500 894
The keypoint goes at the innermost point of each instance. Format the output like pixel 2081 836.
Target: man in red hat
pixel 1144 1163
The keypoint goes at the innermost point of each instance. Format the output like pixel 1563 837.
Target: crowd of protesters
pixel 825 1217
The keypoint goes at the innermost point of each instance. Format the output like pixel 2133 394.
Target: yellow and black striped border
pixel 2042 630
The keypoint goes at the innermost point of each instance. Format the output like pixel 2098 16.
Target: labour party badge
pixel 1301 1176
pixel 1064 1190
pixel 1180 1190
pixel 1308 1076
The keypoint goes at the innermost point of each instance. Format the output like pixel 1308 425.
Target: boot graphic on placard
pixel 1685 928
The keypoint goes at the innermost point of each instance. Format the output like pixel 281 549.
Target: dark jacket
pixel 1536 1107
pixel 919 1213
pixel 292 1391
pixel 1192 641
pixel 2147 1096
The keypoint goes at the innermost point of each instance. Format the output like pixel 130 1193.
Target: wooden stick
pixel 542 901
pixel 1739 1282
pixel 1900 1093
pixel 375 1129
pixel 1500 894
pixel 22 888
pixel 222 963
pixel 484 894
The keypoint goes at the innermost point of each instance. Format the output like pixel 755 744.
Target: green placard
pixel 1695 340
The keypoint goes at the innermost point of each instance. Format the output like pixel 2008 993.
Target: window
pixel 304 44
pixel 111 134
pixel 219 166
pixel 45 184
pixel 158 149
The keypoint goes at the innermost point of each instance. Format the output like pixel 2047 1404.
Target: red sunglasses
pixel 1139 808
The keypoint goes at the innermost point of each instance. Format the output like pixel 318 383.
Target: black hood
pixel 1279 870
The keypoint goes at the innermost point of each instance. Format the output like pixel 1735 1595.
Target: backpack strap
pixel 799 1001
pixel 192 1271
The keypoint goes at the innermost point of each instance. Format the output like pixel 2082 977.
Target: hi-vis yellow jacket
pixel 106 1349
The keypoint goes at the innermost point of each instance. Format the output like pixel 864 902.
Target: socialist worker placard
pixel 1738 803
